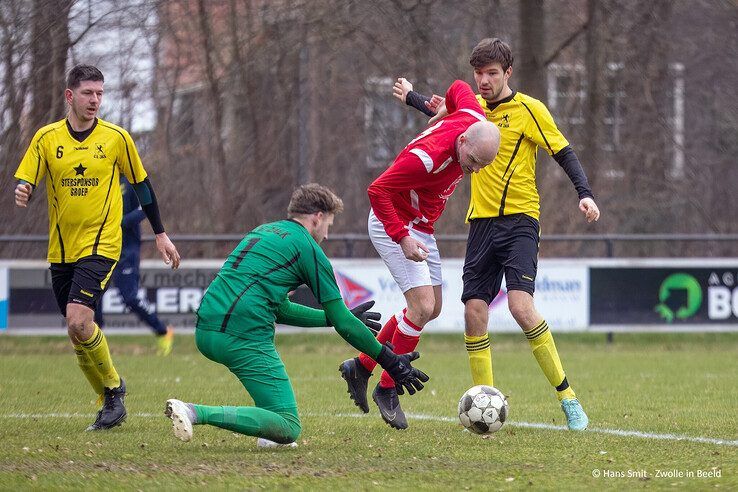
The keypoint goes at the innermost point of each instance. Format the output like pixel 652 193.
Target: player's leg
pixel 520 273
pixel 421 307
pixel 261 371
pixel 482 279
pixel 61 282
pixel 420 283
pixel 91 275
pixel 126 279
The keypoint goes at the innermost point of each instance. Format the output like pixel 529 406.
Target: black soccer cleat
pixel 389 406
pixel 113 411
pixel 357 377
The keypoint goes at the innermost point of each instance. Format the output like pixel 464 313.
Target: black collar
pixel 81 136
pixel 509 98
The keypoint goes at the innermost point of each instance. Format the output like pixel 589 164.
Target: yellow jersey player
pixel 82 158
pixel 503 215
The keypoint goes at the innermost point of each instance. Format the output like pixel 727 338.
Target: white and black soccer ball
pixel 483 409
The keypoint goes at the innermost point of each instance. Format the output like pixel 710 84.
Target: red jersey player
pixel 406 200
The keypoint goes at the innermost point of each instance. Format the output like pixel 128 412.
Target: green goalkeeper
pixel 235 321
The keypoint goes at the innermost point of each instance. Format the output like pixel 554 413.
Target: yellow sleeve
pixel 542 129
pixel 32 167
pixel 129 162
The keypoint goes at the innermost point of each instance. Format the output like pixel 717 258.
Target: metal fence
pixel 349 240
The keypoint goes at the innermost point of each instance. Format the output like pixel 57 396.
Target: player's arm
pixel 569 162
pixel 544 132
pixel 458 96
pixel 131 167
pixel 461 96
pixel 293 314
pixel 318 273
pixel 147 198
pixel 402 176
pixel 358 336
pixel 30 172
pixel 23 192
pixel 403 90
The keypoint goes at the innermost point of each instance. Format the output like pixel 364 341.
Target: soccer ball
pixel 483 409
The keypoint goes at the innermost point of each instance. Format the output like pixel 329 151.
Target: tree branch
pixel 565 44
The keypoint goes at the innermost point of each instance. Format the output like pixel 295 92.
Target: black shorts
pixel 501 245
pixel 82 282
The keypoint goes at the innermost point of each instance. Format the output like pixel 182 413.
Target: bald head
pixel 478 146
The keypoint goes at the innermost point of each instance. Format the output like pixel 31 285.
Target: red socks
pixel 405 340
pixel 385 335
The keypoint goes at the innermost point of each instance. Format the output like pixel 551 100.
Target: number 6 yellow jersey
pixel 84 197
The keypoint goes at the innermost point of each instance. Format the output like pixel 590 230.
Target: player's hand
pixel 23 194
pixel 441 112
pixel 435 103
pixel 167 250
pixel 369 318
pixel 401 88
pixel 401 371
pixel 590 209
pixel 413 249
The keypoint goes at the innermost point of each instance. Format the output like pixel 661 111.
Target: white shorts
pixel 407 273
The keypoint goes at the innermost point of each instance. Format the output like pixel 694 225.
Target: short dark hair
pixel 313 198
pixel 491 50
pixel 80 73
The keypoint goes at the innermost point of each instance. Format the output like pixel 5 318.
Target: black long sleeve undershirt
pixel 147 198
pixel 418 101
pixel 569 161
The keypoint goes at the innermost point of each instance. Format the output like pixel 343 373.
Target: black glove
pixel 399 368
pixel 369 318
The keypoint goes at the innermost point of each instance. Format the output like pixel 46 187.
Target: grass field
pixel 657 389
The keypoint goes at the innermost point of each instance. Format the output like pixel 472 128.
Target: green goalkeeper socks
pixel 282 428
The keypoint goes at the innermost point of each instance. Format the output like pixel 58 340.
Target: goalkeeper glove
pixel 369 318
pixel 400 370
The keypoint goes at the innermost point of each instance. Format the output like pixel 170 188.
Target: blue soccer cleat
pixel 576 419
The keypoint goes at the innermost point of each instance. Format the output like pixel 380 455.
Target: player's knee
pixel 290 431
pixel 77 321
pixel 523 313
pixel 420 313
pixel 476 312
pixel 436 310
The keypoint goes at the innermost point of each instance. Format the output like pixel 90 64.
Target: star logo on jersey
pixel 505 123
pixel 80 170
pixel 353 293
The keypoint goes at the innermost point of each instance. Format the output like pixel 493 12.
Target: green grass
pixel 667 384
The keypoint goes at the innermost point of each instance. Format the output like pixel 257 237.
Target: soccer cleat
pixel 357 377
pixel 113 411
pixel 389 406
pixel 179 412
pixel 164 342
pixel 266 443
pixel 576 419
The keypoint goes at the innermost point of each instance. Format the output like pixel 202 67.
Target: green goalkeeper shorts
pixel 257 365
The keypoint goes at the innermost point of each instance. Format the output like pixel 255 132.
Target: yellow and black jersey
pixel 508 185
pixel 85 205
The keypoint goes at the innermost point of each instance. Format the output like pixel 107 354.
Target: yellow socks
pixel 480 359
pixel 97 350
pixel 544 349
pixel 89 370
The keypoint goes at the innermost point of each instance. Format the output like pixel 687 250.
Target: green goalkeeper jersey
pixel 255 279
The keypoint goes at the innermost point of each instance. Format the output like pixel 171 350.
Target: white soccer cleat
pixel 181 422
pixel 266 443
